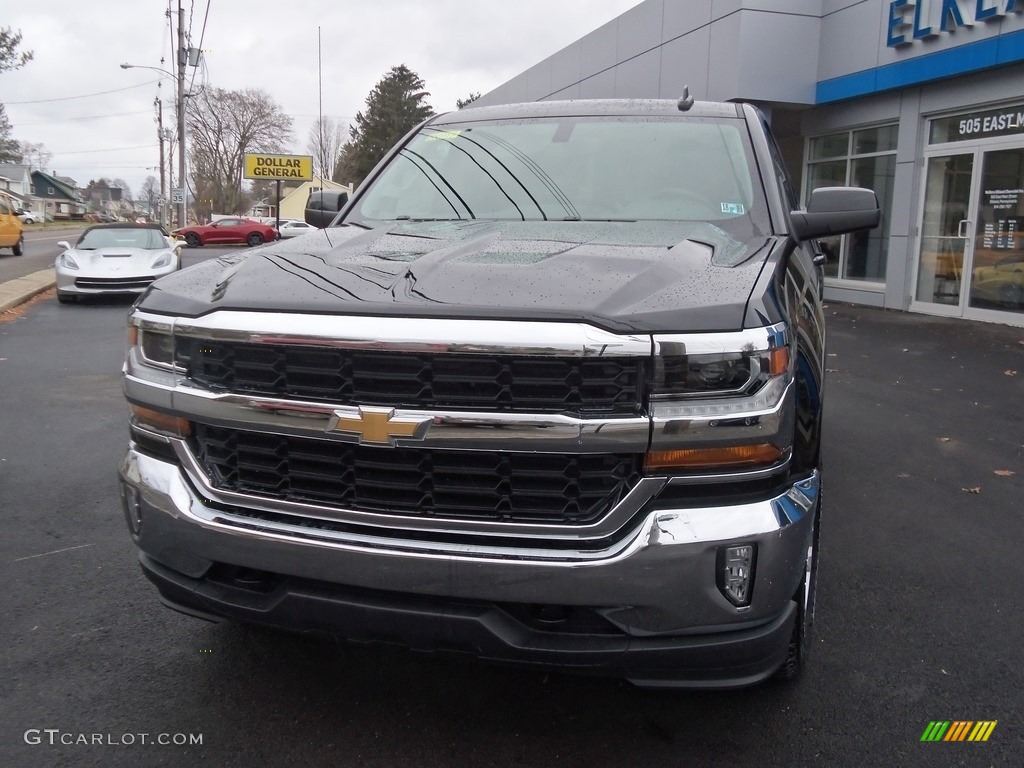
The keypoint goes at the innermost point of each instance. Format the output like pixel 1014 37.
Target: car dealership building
pixel 920 100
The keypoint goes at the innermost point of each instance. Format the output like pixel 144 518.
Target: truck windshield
pixel 581 168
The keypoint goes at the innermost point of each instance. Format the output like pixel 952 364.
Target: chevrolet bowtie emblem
pixel 379 426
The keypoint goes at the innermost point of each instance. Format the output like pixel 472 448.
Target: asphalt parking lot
pixel 919 615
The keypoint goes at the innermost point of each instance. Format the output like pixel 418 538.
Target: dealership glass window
pixel 861 158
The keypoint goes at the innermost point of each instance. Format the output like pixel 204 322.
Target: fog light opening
pixel 736 573
pixel 132 506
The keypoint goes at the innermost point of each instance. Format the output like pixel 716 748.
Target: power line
pixel 110 149
pixel 201 58
pixel 87 117
pixel 84 95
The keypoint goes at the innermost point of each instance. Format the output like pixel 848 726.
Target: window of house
pixel 861 158
pixel 49 190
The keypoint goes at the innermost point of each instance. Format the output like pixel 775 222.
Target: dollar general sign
pixel 290 167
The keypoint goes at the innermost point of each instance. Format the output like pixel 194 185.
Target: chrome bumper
pixel 656 581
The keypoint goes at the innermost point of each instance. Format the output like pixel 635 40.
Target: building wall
pixel 716 47
pixel 798 52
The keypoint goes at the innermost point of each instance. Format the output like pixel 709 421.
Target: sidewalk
pixel 21 289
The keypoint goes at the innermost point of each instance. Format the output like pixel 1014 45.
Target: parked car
pixel 115 258
pixel 27 217
pixel 227 231
pixel 1000 283
pixel 293 228
pixel 12 234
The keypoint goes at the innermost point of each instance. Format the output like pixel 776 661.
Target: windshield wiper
pixel 577 218
pixel 417 218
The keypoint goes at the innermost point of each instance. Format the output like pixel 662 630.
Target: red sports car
pixel 227 231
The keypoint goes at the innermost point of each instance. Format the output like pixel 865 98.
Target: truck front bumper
pixel 647 606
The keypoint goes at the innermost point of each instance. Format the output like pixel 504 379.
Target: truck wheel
pixel 192 240
pixel 19 247
pixel 254 239
pixel 800 642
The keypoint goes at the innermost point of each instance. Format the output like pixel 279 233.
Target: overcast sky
pixel 98 119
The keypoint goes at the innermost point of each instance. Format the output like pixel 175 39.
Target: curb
pixel 21 289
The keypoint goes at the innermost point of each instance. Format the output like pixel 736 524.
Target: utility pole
pixel 182 61
pixel 163 176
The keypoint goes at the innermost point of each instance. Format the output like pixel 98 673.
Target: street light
pixel 180 107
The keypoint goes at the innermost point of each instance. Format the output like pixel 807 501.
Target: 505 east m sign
pixel 280 167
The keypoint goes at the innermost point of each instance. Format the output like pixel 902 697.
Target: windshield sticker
pixel 443 135
pixel 736 209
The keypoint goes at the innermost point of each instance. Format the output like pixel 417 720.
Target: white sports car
pixel 115 258
pixel 294 228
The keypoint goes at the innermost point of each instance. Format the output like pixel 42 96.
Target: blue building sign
pixel 911 20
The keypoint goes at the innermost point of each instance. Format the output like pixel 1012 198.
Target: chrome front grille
pixel 614 386
pixel 559 489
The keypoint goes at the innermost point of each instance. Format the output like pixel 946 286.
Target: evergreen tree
pixel 10 149
pixel 396 104
pixel 10 58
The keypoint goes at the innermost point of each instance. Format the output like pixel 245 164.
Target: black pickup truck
pixel 547 390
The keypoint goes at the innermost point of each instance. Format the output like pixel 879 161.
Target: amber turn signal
pixel 778 361
pixel 164 422
pixel 738 456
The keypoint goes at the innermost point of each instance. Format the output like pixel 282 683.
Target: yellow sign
pixel 286 167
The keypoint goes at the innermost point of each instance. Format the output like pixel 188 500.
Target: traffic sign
pixel 177 195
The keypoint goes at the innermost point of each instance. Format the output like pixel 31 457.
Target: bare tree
pixel 326 137
pixel 36 156
pixel 126 191
pixel 222 127
pixel 149 193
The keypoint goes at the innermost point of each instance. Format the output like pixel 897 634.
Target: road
pixel 919 612
pixel 40 251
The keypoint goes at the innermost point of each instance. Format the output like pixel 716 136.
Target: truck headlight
pixel 718 375
pixel 718 402
pixel 154 341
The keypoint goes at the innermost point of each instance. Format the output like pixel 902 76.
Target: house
pixel 60 196
pixel 103 198
pixel 16 179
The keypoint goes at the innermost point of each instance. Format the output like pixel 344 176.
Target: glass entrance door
pixel 997 265
pixel 946 232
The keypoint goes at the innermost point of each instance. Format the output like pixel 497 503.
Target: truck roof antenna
pixel 686 101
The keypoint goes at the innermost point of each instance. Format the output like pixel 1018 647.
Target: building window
pixel 49 190
pixel 861 158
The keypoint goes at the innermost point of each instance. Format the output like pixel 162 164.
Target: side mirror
pixel 64 244
pixel 322 207
pixel 836 211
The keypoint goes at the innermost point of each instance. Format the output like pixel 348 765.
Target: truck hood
pixel 622 276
